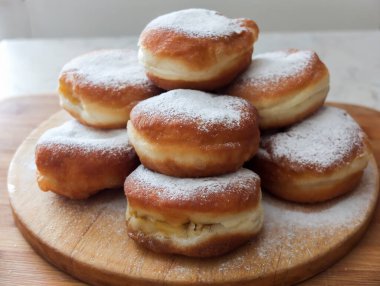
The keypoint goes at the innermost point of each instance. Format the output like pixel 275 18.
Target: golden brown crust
pixel 193 217
pixel 214 246
pixel 285 186
pixel 216 160
pixel 292 167
pixel 78 117
pixel 283 100
pixel 77 175
pixel 197 54
pixel 316 160
pixel 266 93
pixel 297 114
pixel 223 78
pixel 240 193
pixel 107 100
pixel 104 95
pixel 182 130
pixel 183 147
pixel 89 96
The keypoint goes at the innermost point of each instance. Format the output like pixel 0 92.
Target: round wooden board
pixel 88 238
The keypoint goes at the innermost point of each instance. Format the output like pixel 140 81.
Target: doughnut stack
pixel 195 101
pixel 191 195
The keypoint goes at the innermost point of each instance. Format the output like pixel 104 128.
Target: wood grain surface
pixel 19 265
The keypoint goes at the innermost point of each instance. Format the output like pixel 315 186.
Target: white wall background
pixel 94 18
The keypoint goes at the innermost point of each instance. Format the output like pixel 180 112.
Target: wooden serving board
pixel 88 238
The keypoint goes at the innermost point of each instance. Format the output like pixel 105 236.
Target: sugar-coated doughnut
pixel 100 88
pixel 284 86
pixel 195 217
pixel 190 133
pixel 76 161
pixel 196 49
pixel 315 160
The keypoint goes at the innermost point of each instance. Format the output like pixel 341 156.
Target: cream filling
pixel 172 69
pixel 198 228
pixel 91 113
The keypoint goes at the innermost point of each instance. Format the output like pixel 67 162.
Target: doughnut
pixel 199 217
pixel 190 133
pixel 315 160
pixel 284 86
pixel 196 49
pixel 100 88
pixel 77 161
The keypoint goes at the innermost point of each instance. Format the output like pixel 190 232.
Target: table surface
pixel 353 58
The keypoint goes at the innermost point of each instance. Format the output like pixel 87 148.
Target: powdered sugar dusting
pixel 295 234
pixel 185 189
pixel 292 234
pixel 115 69
pixel 287 221
pixel 204 109
pixel 72 134
pixel 200 23
pixel 324 139
pixel 271 67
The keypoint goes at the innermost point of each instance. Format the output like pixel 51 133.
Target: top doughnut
pixel 101 87
pixel 196 49
pixel 285 86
